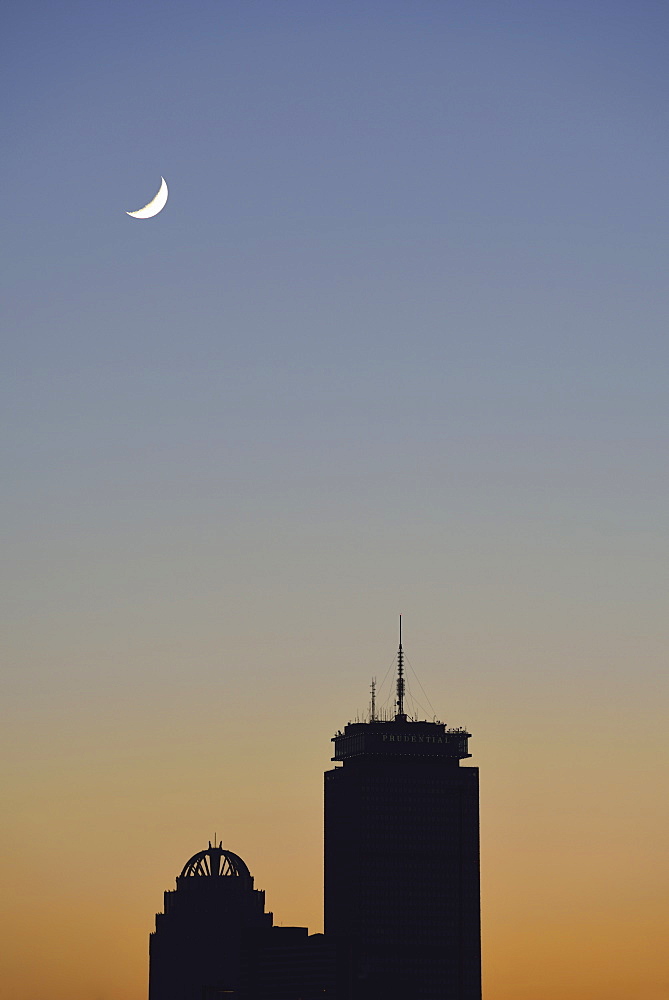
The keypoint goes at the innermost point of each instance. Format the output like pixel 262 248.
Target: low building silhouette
pixel 197 947
pixel 214 941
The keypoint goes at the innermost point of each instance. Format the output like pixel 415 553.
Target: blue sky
pixel 409 292
pixel 411 278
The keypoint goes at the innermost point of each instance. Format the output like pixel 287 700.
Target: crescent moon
pixel 156 204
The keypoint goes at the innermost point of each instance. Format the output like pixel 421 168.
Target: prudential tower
pixel 402 856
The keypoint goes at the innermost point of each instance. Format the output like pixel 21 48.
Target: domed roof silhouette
pixel 215 862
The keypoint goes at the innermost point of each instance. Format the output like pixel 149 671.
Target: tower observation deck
pixel 401 738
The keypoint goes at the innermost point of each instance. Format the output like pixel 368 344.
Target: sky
pixel 397 343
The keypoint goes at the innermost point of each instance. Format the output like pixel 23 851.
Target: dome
pixel 215 862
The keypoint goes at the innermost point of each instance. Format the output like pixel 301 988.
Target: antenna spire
pixel 372 701
pixel 400 678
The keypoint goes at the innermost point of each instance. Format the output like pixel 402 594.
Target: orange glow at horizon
pixel 105 812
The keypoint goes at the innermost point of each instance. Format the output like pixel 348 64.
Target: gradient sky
pixel 398 342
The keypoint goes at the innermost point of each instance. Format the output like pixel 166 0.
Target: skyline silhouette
pixel 402 897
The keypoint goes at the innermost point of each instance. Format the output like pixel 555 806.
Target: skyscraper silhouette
pixel 402 857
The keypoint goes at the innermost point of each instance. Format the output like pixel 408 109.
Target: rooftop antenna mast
pixel 372 701
pixel 400 678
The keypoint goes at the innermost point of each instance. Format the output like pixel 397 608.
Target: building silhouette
pixel 214 941
pixel 198 948
pixel 402 898
pixel 402 857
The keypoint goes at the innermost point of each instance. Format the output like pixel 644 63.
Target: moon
pixel 156 204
